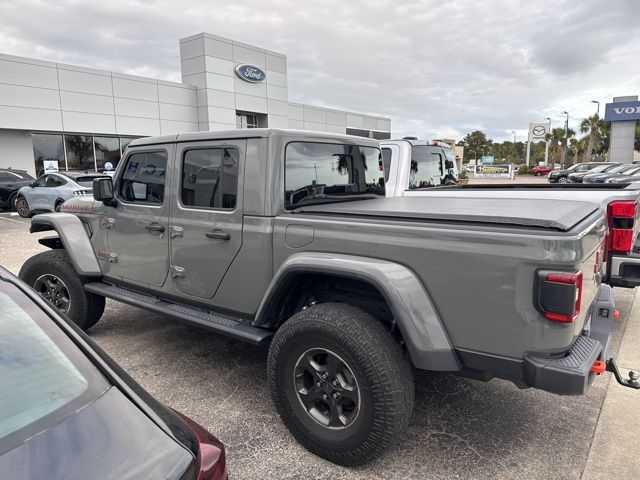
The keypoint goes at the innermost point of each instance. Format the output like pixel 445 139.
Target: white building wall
pixel 36 95
pixel 16 150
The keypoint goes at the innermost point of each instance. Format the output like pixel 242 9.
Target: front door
pixel 137 237
pixel 206 220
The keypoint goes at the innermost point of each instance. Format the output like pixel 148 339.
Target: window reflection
pixel 107 153
pixel 47 147
pixel 79 152
pixel 322 171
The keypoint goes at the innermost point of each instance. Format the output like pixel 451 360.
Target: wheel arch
pixel 74 239
pixel 406 297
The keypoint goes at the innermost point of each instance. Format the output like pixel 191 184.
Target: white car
pixel 51 190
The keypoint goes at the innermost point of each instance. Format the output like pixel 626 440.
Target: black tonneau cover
pixel 559 215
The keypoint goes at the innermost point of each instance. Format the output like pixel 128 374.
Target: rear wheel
pixel 52 275
pixel 340 383
pixel 22 207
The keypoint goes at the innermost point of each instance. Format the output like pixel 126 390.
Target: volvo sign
pixel 250 73
pixel 622 111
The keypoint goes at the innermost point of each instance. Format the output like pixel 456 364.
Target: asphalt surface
pixel 461 428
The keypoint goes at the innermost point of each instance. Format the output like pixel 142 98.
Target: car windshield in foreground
pixel 318 173
pixel 43 377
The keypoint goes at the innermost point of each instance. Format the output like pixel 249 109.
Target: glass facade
pixel 47 147
pixel 78 151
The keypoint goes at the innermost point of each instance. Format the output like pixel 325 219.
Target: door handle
pixel 218 234
pixel 154 227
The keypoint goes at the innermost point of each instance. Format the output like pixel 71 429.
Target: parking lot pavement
pixel 461 428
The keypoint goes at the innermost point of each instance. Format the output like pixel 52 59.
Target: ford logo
pixel 250 73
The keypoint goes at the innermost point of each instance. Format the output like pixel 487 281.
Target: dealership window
pixel 79 150
pixel 124 141
pixel 47 147
pixel 323 172
pixel 144 177
pixel 210 178
pixel 107 152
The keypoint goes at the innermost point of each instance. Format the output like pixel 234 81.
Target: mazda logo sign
pixel 539 131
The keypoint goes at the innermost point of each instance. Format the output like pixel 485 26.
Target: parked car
pixel 627 176
pixel 285 237
pixel 577 177
pixel 599 177
pixel 10 182
pixel 539 170
pixel 561 176
pixel 51 190
pixel 68 411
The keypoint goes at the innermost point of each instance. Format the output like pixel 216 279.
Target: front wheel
pixel 562 180
pixel 340 383
pixel 52 275
pixel 22 207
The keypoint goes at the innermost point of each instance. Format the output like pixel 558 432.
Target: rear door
pixel 137 226
pixel 206 218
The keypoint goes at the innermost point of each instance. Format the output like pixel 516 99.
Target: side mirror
pixel 448 164
pixel 33 184
pixel 103 189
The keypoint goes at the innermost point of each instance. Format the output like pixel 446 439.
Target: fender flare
pixel 421 327
pixel 74 239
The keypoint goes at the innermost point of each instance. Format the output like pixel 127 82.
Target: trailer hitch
pixel 634 377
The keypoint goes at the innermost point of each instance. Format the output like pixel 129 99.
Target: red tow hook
pixel 616 314
pixel 599 367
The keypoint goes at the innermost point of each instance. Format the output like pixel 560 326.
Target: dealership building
pixel 83 118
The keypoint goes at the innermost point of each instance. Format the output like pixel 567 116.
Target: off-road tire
pixel 383 374
pixel 85 308
pixel 22 207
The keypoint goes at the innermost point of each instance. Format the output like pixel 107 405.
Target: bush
pixel 524 170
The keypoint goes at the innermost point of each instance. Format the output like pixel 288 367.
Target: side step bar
pixel 228 326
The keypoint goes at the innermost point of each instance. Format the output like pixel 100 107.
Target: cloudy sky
pixel 437 68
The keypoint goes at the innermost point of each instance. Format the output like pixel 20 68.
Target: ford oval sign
pixel 250 73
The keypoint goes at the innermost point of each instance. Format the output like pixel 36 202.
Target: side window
pixel 42 181
pixel 144 177
pixel 210 178
pixel 386 162
pixel 53 181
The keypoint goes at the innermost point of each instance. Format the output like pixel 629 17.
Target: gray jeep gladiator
pixel 286 238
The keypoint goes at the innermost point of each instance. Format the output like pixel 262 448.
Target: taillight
pixel 560 295
pixel 211 457
pixel 621 217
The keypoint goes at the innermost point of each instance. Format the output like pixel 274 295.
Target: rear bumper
pixel 624 271
pixel 567 373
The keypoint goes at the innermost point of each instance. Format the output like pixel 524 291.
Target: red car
pixel 540 170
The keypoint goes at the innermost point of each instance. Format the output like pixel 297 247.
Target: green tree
pixel 475 141
pixel 595 128
pixel 556 143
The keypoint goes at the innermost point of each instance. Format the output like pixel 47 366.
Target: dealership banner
pixel 622 111
pixel 538 131
pixel 493 169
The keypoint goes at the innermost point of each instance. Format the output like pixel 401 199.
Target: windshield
pixel 617 168
pixel 43 376
pixel 600 168
pixel 328 172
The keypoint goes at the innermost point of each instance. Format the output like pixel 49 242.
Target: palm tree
pixel 556 143
pixel 594 126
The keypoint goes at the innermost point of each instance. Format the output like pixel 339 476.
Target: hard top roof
pixel 303 135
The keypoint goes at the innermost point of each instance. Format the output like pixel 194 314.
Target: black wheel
pixel 340 383
pixel 562 179
pixel 12 202
pixel 22 207
pixel 537 174
pixel 52 275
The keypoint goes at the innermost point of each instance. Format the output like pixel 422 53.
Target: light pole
pixel 546 144
pixel 566 139
pixel 598 110
pixel 475 156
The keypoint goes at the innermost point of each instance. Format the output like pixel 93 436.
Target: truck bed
pixel 521 212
